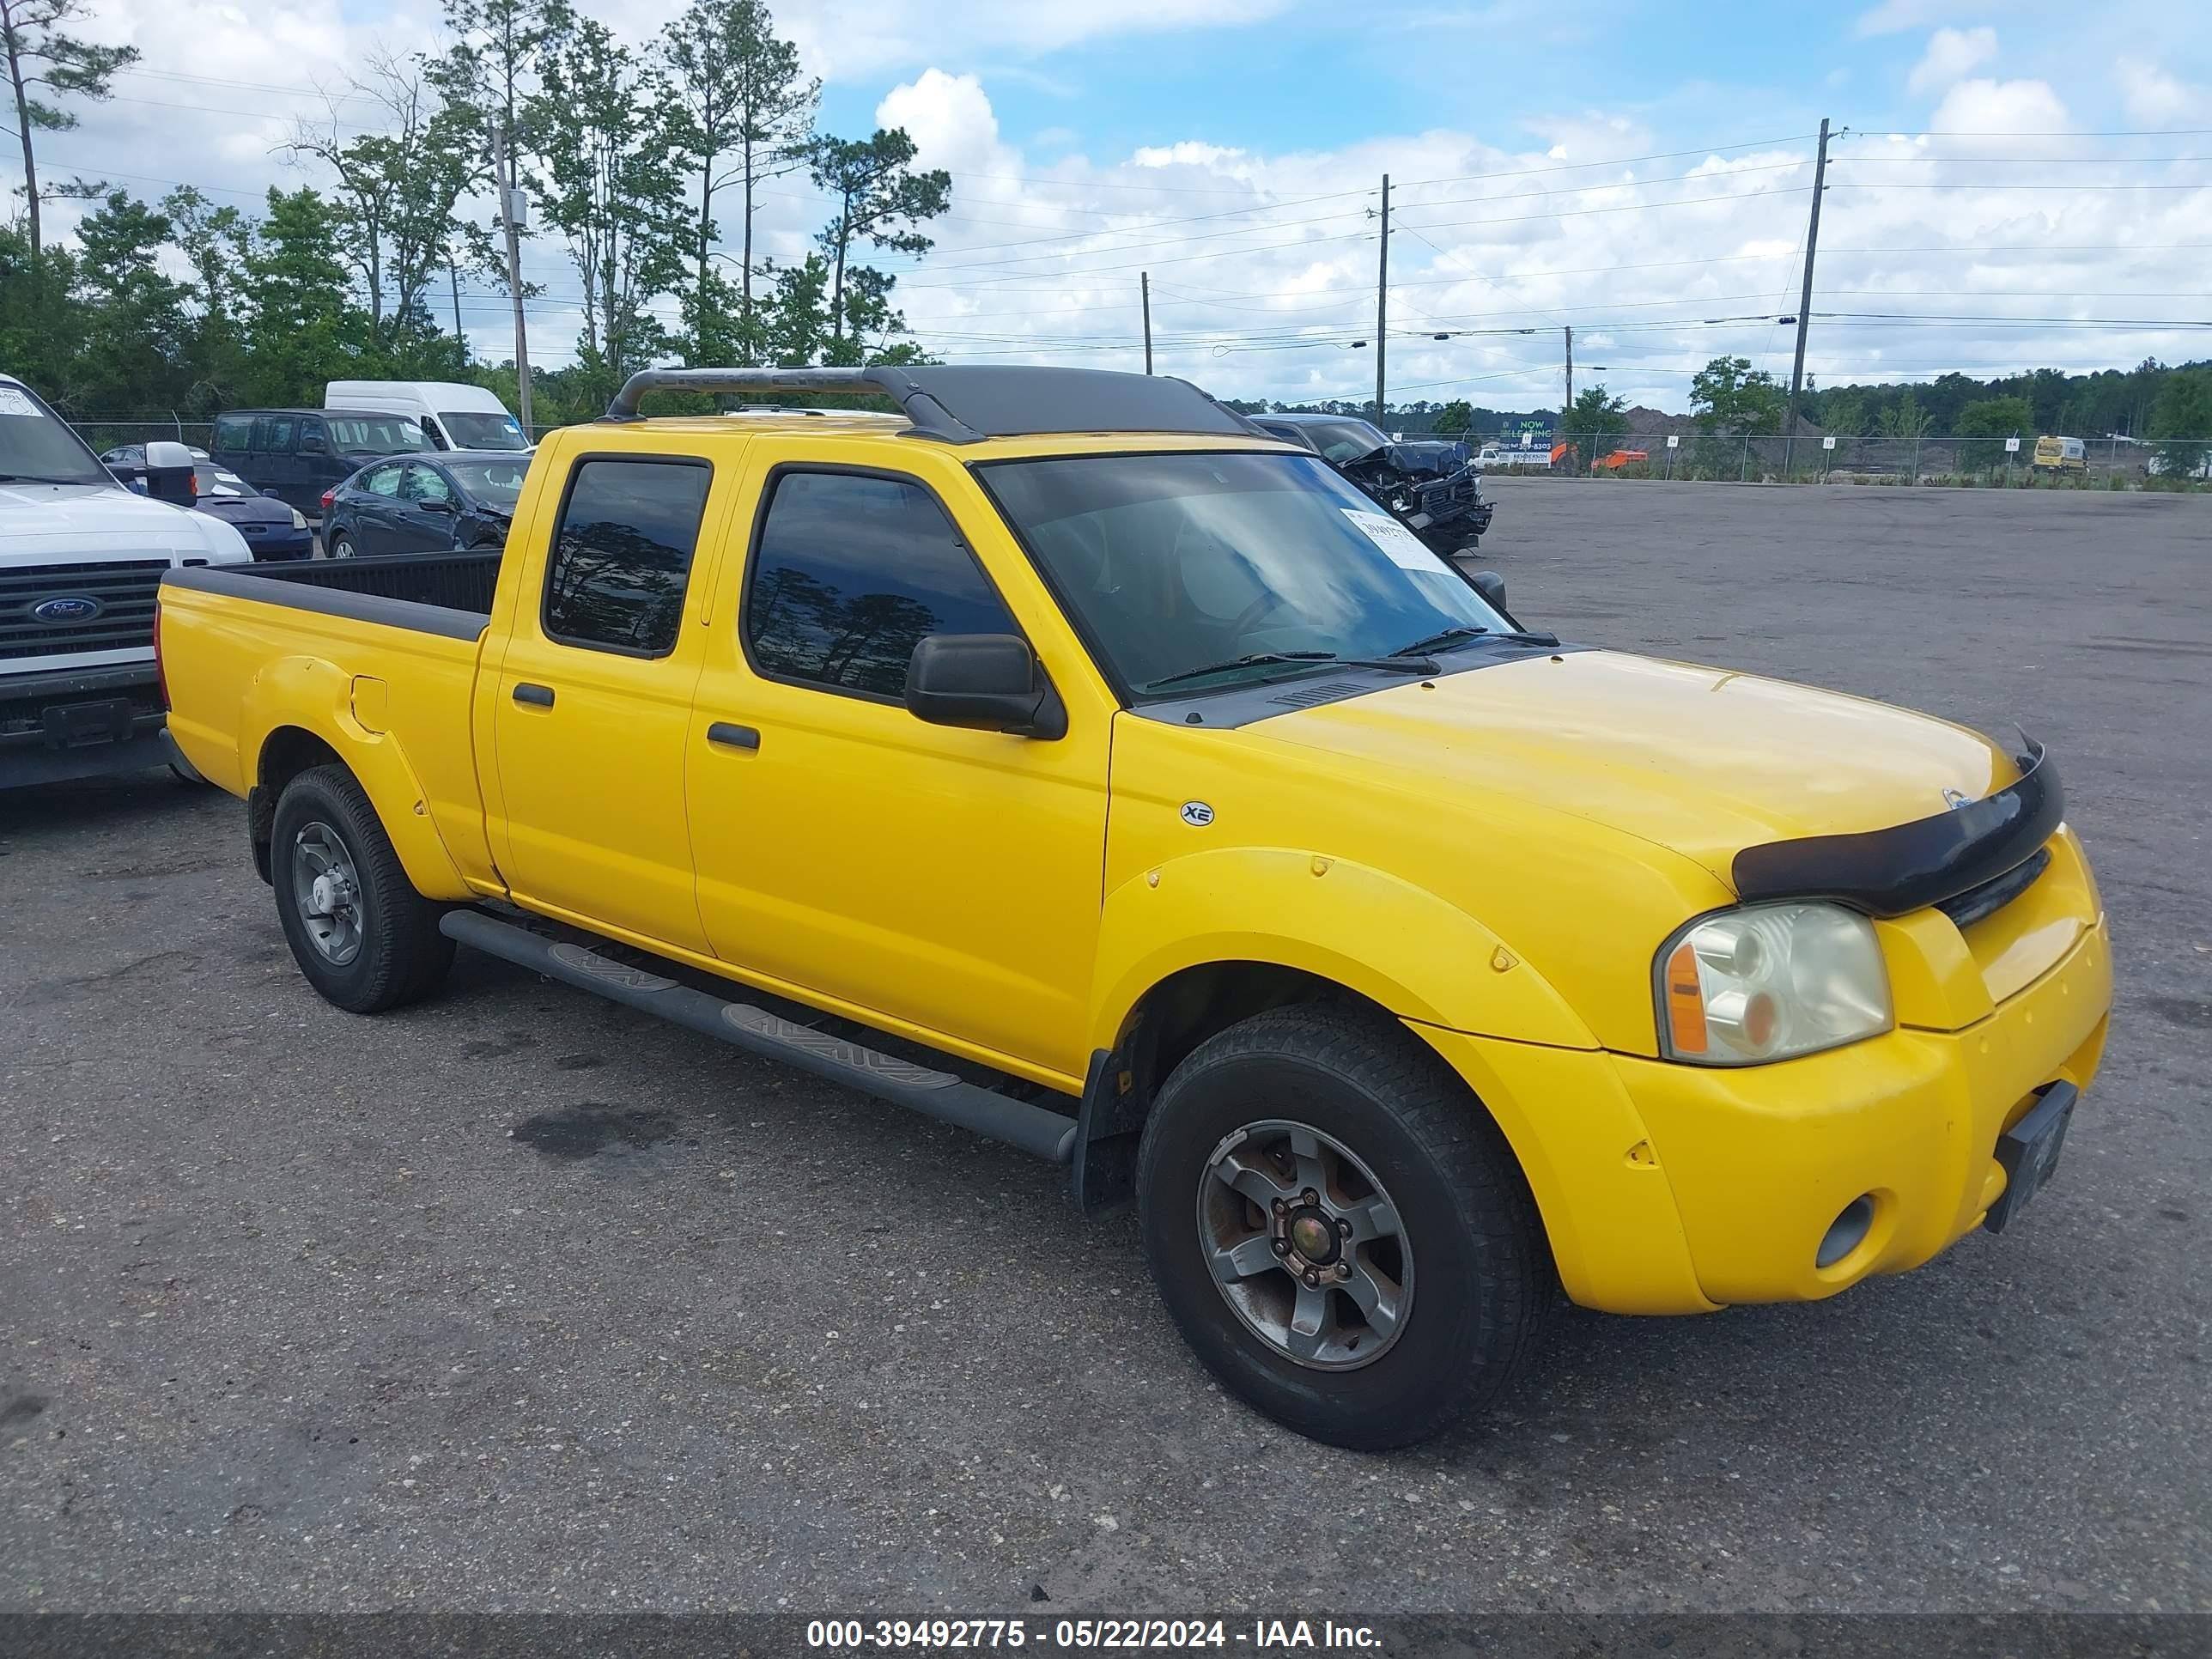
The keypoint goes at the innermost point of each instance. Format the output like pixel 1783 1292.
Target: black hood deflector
pixel 1910 867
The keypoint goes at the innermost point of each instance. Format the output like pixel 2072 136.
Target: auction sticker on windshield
pixel 13 401
pixel 1403 546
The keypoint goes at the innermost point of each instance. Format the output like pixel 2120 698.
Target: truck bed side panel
pixel 390 696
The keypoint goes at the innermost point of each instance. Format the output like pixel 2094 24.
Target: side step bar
pixel 1043 1134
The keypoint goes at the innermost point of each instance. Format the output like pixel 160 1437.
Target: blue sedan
pixel 273 530
pixel 454 501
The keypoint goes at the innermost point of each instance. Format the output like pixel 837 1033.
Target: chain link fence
pixel 1811 457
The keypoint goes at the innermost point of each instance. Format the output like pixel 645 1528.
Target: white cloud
pixel 2153 98
pixel 1952 55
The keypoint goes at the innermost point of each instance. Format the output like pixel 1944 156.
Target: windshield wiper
pixel 35 478
pixel 1251 661
pixel 1438 641
pixel 1396 663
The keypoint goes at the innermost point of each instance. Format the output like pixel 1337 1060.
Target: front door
pixel 947 879
pixel 428 514
pixel 593 700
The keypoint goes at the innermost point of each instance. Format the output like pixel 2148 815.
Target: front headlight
pixel 298 520
pixel 1768 982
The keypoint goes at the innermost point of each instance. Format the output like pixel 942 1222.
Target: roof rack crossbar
pixel 966 405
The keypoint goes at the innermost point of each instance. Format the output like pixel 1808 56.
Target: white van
pixel 451 416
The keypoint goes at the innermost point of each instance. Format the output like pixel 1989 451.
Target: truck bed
pixel 447 593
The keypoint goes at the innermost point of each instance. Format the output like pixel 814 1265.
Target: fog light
pixel 1846 1231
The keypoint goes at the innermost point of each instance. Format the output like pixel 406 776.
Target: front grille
pixel 124 591
pixel 1979 904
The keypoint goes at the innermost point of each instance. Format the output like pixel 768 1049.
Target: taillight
pixel 161 676
pixel 329 495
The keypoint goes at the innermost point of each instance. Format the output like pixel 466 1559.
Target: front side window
pixel 422 483
pixel 1177 562
pixel 851 573
pixel 274 435
pixel 622 553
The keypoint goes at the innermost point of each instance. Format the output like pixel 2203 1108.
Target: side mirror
pixel 437 504
pixel 311 443
pixel 169 474
pixel 1491 586
pixel 984 682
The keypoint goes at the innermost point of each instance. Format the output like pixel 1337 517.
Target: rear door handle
pixel 732 736
pixel 539 696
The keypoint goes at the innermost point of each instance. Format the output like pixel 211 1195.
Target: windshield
pixel 37 448
pixel 477 430
pixel 495 483
pixel 1173 562
pixel 375 434
pixel 1344 440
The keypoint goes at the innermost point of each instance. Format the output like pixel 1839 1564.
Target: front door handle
pixel 539 696
pixel 732 736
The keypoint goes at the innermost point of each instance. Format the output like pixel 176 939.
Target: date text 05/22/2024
pixel 1260 1636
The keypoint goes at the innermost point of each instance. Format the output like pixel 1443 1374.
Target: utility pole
pixel 502 163
pixel 1805 297
pixel 1144 287
pixel 1381 299
pixel 453 272
pixel 1567 409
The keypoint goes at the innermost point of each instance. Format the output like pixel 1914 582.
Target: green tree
pixel 881 199
pixel 136 311
pixel 1996 417
pixel 42 326
pixel 613 188
pixel 214 241
pixel 739 96
pixel 1842 413
pixel 303 327
pixel 398 189
pixel 1905 419
pixel 2181 422
pixel 44 64
pixel 1454 418
pixel 1595 415
pixel 1729 395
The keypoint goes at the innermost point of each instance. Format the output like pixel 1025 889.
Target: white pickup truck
pixel 81 558
pixel 1506 457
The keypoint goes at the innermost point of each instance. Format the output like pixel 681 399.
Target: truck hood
pixel 48 523
pixel 1700 759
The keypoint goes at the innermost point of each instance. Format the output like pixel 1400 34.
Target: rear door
pixel 592 703
pixel 274 440
pixel 371 507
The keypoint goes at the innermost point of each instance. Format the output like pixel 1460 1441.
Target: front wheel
pixel 362 934
pixel 1337 1230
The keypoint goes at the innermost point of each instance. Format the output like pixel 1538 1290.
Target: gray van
pixel 299 455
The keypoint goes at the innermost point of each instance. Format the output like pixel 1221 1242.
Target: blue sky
pixel 1640 170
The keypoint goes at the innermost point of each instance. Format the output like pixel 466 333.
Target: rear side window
pixel 273 434
pixel 382 480
pixel 233 435
pixel 851 573
pixel 622 553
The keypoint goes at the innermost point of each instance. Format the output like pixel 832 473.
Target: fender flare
pixel 315 696
pixel 1399 945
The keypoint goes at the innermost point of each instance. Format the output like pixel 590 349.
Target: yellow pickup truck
pixel 1063 757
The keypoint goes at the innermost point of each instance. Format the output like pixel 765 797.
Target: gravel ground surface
pixel 517 1300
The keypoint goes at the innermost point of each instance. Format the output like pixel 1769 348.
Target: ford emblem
pixel 69 608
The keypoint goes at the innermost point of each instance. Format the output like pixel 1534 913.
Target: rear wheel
pixel 1340 1232
pixel 364 938
pixel 342 546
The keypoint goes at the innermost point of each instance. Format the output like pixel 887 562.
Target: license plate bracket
pixel 2029 1152
pixel 75 725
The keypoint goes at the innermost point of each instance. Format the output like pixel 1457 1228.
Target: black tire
pixel 340 546
pixel 400 955
pixel 1482 1267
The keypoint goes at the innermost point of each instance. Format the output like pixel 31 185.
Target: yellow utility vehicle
pixel 2059 455
pixel 1066 759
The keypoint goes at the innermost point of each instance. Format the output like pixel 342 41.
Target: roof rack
pixel 966 405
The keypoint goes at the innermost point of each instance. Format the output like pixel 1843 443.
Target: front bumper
pixel 1672 1188
pixel 60 725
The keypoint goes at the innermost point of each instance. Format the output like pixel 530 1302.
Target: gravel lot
pixel 519 1301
